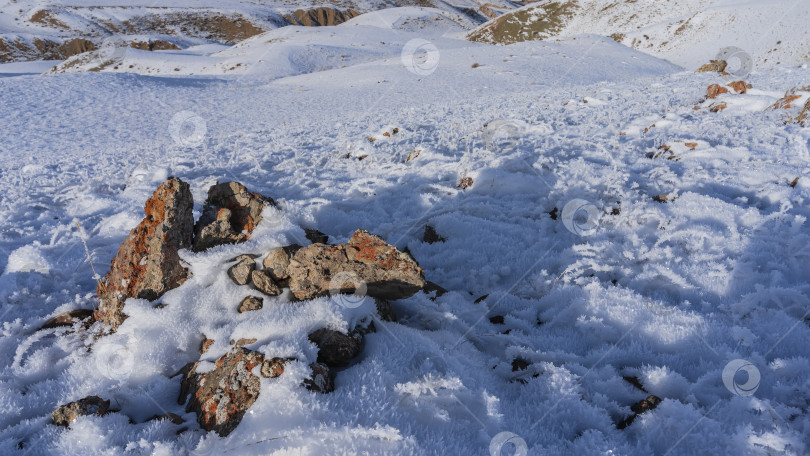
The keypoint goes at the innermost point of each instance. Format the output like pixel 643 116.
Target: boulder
pixel 387 272
pixel 322 379
pixel 90 405
pixel 148 264
pixel 250 303
pixel 222 396
pixel 277 263
pixel 336 349
pixel 240 272
pixel 230 214
pixel 263 282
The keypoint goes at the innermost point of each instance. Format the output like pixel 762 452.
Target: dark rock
pixel 250 303
pixel 431 236
pixel 335 349
pixel 635 382
pixel 480 298
pixel 230 215
pixel 148 264
pixel 90 405
pixel 519 364
pixel 322 380
pixel 387 272
pixel 431 287
pixel 240 272
pixel 265 284
pixel 174 418
pixel 496 320
pixel 385 310
pixel 221 397
pixel 68 318
pixel 316 237
pixel 638 408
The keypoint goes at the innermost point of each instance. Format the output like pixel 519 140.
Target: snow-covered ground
pixel 611 284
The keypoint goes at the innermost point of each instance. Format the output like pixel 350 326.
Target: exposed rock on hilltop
pixel 147 264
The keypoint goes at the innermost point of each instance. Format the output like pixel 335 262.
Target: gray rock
pixel 277 263
pixel 264 283
pixel 230 215
pixel 240 272
pixel 90 405
pixel 322 379
pixel 250 303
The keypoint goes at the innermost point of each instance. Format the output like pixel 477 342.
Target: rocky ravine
pixel 148 265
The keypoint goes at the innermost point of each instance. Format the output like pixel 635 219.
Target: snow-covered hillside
pixel 685 32
pixel 609 232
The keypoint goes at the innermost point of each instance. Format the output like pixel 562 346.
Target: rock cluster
pixel 148 265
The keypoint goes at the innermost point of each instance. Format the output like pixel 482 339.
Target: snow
pixel 670 293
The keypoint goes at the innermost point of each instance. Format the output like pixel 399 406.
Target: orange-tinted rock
pixel 272 368
pixel 222 396
pixel 714 90
pixel 148 264
pixel 386 272
pixel 231 213
pixel 739 86
pixel 713 66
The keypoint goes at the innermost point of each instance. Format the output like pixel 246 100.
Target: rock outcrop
pixel 148 264
pixel 387 272
pixel 222 396
pixel 320 16
pixel 230 214
pixel 90 405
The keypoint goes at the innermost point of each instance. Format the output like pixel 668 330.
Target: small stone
pixel 250 303
pixel 205 345
pixel 240 272
pixel 465 183
pixel 244 341
pixel 335 348
pixel 643 406
pixel 90 405
pixel 263 283
pixel 272 368
pixel 69 318
pixel 496 320
pixel 174 418
pixel 519 364
pixel 322 380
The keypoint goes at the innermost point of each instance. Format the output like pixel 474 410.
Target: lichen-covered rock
pixel 387 272
pixel 90 405
pixel 250 303
pixel 714 66
pixel 336 349
pixel 322 379
pixel 148 264
pixel 230 214
pixel 272 368
pixel 263 282
pixel 277 263
pixel 222 396
pixel 240 272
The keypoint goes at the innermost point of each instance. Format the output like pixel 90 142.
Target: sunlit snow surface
pixel 669 293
